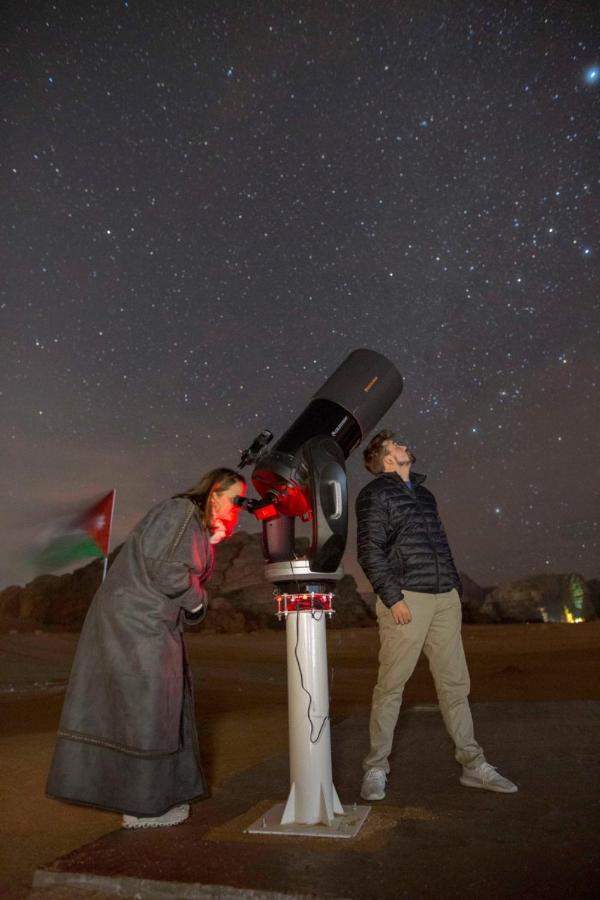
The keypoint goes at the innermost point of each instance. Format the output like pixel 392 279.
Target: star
pixel 247 200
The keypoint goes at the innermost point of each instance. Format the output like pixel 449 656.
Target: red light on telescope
pixel 312 602
pixel 288 499
pixel 294 502
pixel 266 512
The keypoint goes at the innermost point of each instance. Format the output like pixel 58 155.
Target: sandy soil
pixel 242 711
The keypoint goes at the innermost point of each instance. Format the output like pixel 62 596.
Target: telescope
pixel 302 478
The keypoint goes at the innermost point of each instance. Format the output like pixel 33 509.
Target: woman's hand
pixel 218 533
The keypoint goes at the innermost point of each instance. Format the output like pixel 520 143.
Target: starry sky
pixel 207 206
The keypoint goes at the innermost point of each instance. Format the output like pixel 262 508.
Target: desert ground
pixel 242 711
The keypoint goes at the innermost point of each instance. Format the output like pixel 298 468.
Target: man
pixel 404 551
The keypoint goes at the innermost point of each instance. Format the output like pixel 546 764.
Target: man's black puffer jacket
pixel 401 539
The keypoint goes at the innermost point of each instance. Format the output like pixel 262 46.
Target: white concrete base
pixel 344 826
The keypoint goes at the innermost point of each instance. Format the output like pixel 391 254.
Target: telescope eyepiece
pixel 252 505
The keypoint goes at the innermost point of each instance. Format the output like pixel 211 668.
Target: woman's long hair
pixel 214 482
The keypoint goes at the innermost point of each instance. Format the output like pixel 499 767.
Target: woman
pixel 127 737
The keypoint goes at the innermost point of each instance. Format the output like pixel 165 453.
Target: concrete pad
pixel 430 837
pixel 344 826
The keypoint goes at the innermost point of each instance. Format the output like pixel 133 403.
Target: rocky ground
pixel 241 707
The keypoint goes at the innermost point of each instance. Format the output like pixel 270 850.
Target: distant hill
pixel 241 599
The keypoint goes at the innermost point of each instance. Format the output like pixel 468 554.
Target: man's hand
pixel 401 613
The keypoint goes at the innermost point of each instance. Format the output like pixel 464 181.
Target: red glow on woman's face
pixel 224 513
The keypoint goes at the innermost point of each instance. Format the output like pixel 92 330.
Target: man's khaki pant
pixel 435 629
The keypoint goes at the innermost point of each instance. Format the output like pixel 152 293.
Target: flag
pixel 85 535
pixel 96 522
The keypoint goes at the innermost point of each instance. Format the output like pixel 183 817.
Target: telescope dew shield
pixel 365 386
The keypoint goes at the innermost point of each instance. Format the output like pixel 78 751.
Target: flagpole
pixel 112 512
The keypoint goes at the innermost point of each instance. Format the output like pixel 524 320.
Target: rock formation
pixel 594 586
pixel 238 588
pixel 240 597
pixel 540 598
pixel 472 599
pixel 242 600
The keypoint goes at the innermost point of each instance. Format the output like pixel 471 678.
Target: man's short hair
pixel 375 451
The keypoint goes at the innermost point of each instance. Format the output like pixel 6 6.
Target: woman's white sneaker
pixel 173 816
pixel 486 777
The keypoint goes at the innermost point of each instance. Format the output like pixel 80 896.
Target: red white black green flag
pixel 84 535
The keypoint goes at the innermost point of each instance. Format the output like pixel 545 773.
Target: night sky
pixel 206 206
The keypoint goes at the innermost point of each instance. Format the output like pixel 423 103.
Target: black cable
pixel 310 700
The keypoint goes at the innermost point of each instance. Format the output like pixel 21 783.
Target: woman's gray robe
pixel 127 736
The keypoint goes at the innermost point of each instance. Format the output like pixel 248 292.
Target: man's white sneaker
pixel 173 816
pixel 373 785
pixel 486 777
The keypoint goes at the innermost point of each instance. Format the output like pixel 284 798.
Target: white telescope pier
pixel 313 806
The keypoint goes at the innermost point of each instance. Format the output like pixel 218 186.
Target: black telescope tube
pixel 345 408
pixel 321 417
pixel 349 405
